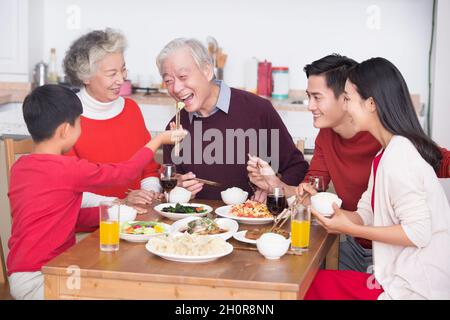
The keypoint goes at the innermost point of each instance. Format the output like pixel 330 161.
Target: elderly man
pixel 225 125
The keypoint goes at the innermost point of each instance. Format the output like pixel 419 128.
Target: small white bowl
pixel 234 195
pixel 323 201
pixel 179 195
pixel 272 246
pixel 126 213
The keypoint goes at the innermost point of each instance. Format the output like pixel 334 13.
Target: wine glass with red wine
pixel 276 200
pixel 168 178
pixel 317 183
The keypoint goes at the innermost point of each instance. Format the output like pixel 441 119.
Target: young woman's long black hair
pixel 380 79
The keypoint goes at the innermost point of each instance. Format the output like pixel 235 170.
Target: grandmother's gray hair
pixel 83 55
pixel 198 52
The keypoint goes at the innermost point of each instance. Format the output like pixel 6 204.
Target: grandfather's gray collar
pixel 223 101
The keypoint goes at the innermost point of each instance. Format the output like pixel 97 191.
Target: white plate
pixel 224 223
pixel 144 237
pixel 225 212
pixel 240 236
pixel 179 216
pixel 190 259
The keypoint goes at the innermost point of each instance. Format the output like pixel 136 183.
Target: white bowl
pixel 179 195
pixel 323 201
pixel 224 223
pixel 234 195
pixel 126 213
pixel 272 246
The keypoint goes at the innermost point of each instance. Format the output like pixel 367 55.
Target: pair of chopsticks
pixel 179 106
pixel 285 214
pixel 209 182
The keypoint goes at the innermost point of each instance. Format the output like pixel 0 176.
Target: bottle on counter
pixel 264 78
pixel 52 68
pixel 280 76
pixel 251 75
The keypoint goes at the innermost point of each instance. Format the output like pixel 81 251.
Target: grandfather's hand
pixel 338 223
pixel 260 196
pixel 189 182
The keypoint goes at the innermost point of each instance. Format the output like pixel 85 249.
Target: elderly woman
pixel 113 127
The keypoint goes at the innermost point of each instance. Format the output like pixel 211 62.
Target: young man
pixel 225 124
pixel 46 187
pixel 341 154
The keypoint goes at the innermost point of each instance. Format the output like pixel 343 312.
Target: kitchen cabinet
pixel 21 38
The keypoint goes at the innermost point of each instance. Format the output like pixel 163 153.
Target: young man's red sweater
pixel 45 196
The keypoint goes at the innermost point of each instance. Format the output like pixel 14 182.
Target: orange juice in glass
pixel 300 228
pixel 109 226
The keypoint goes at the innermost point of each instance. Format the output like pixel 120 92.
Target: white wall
pixel 440 83
pixel 286 32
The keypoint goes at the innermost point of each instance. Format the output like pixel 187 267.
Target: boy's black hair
pixel 47 107
pixel 335 68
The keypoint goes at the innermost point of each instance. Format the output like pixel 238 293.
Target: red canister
pixel 265 78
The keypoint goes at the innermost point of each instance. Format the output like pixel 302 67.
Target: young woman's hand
pixel 338 223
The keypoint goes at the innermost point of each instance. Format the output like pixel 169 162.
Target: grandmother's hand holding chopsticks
pixel 139 198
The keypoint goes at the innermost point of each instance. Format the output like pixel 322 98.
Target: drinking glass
pixel 276 200
pixel 317 183
pixel 168 178
pixel 300 227
pixel 109 226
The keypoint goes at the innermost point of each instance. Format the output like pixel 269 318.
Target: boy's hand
pixel 173 135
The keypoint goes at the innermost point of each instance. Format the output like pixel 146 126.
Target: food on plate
pixel 251 209
pixel 204 226
pixel 142 227
pixel 188 245
pixel 184 209
pixel 255 234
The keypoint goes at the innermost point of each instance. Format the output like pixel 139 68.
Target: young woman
pixel 404 210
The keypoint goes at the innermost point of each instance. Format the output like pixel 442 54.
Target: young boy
pixel 46 187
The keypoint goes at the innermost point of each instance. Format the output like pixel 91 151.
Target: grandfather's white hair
pixel 197 49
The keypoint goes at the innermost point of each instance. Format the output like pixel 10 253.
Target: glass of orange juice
pixel 109 226
pixel 300 227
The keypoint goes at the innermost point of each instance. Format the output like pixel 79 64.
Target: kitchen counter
pixel 13 91
pixel 291 104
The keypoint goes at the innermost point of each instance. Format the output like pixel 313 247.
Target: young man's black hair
pixel 334 67
pixel 47 107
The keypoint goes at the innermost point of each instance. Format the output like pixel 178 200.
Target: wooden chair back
pixel 14 148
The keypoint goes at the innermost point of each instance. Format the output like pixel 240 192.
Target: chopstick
pixel 255 249
pixel 179 106
pixel 209 182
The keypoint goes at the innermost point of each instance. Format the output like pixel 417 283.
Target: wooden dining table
pixel 85 272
